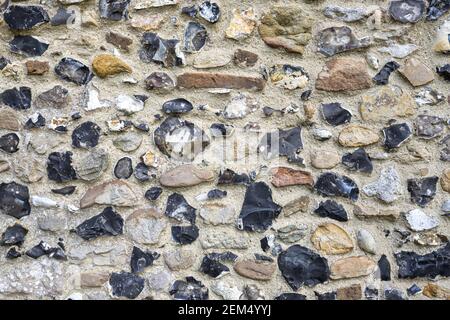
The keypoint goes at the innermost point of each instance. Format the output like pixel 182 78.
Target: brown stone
pixel 344 74
pixel 256 270
pixel 385 104
pixel 244 58
pixel 369 212
pixel 283 177
pixel 147 23
pixel 331 239
pixel 120 41
pixel 198 80
pixel 116 193
pixel 352 267
pixel 432 290
pixel 353 292
pixel 186 175
pixel 356 135
pixel 93 279
pixel 417 73
pixel 445 180
pixel 106 65
pixel 325 159
pixel 37 68
pixel 9 119
pixel 159 81
pixel 296 205
pixel 287 27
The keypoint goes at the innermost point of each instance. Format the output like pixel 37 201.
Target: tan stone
pixel 331 239
pixel 147 23
pixel 199 80
pixel 241 25
pixel 217 213
pixel 179 259
pixel 353 292
pixel 283 177
pixel 296 205
pixel 186 175
pixel 120 41
pixel 356 135
pixel 325 159
pixel 344 74
pixel 150 159
pixel 38 68
pixel 4 165
pixel 433 290
pixel 352 267
pixel 445 180
pixel 385 104
pixel 211 59
pixel 9 119
pixel 287 27
pixel 93 279
pixel 369 212
pixel 255 269
pixel 116 193
pixel 416 72
pixel 106 65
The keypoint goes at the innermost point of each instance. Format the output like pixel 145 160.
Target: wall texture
pixel 348 199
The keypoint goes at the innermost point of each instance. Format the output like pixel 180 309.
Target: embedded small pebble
pixel 253 150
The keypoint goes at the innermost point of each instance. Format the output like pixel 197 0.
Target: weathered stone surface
pixel 296 205
pixel 445 180
pixel 416 72
pixel 128 142
pixel 352 267
pixel 242 24
pixel 325 159
pixel 57 97
pixel 185 176
pixel 10 120
pixel 107 65
pixel 256 270
pixel 92 166
pixel 217 214
pixel 331 239
pixel 35 67
pixel 191 80
pixel 357 136
pixel 145 226
pixel 116 193
pixel 287 27
pixel 344 74
pixel 223 240
pixel 179 259
pixel 387 188
pixel 283 177
pixel 118 40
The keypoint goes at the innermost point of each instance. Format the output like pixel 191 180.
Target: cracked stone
pixel 115 10
pixel 195 37
pixel 57 97
pixel 18 99
pixel 242 24
pixel 416 72
pixel 108 222
pixel 191 289
pixel 382 77
pixel 213 267
pixel 185 234
pixel 92 166
pixel 179 209
pixel 159 81
pixel 429 127
pixel 141 259
pixel 407 11
pixel 289 144
pixel 86 135
pixel 210 11
pixel 145 226
pixel 283 177
pixel 161 51
pixel 334 114
pixel 59 167
pixel 13 235
pixel 288 76
pixel 115 193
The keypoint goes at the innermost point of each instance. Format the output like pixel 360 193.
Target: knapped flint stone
pixel 179 209
pixel 123 168
pixel 126 284
pixel 209 11
pixel 326 295
pixel 289 144
pixel 35 121
pixel 437 8
pixel 444 71
pixel 61 17
pixel 412 265
pixel 396 134
pixel 290 296
pixel 300 265
pixel 385 268
pixel 166 138
pixel 86 135
pixel 359 160
pixel 13 236
pixel 18 99
pixel 195 37
pixel 108 222
pixel 177 106
pixel 258 210
pixel 228 176
pixel 334 40
pixel 429 127
pixel 153 193
pixel 56 97
pixel 28 46
pixel 382 77
pixel 14 199
pixel 115 10
pixel 334 114
pixel 3 62
pixel 213 267
pixel 332 209
pixel 185 234
pixel 162 51
pixel 25 17
pixel 407 11
pixel 59 167
pixel 65 191
pixel 413 290
pixel 13 253
pixel 333 185
pixel 393 294
pixel 422 190
pixel 73 71
pixel 142 172
pixel 141 259
pixel 159 81
pixel 43 248
pixel 191 289
pixel 190 11
pixel 9 143
pixel 221 130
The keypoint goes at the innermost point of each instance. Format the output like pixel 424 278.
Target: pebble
pixel 384 266
pixel 244 58
pixel 14 199
pixel 353 292
pixel 329 238
pixel 177 106
pixel 115 193
pixel 321 134
pixel 191 289
pixel 159 82
pixel 444 71
pixel 387 188
pixel 128 104
pixel 288 76
pixel 55 98
pixel 210 11
pixel 123 168
pixel 416 72
pixel 351 267
pixel 292 233
pixel 52 223
pixel 407 11
pixel 335 115
pixel 226 291
pixel 128 142
pixel 10 120
pixel 141 259
pixel 419 221
pixel 344 13
pixel 119 40
pixel 179 209
pixel 223 240
pixel 14 235
pixel 241 25
pixel 153 193
pixel 161 51
pixel 284 176
pixel 446 207
pixel 366 241
pixel 43 202
pixel 160 280
pixel 428 96
pixel 213 267
pixel 185 234
pixel 442 44
pixel 9 143
pixel 325 159
pixel 35 121
pixel 179 259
